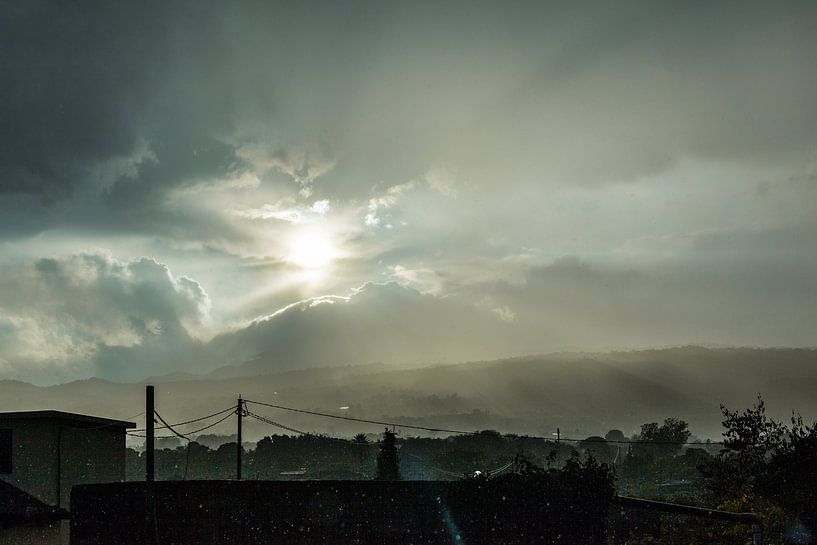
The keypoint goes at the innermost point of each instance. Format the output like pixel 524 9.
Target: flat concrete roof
pixel 81 420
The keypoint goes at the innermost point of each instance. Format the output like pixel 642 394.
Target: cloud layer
pixel 555 175
pixel 67 317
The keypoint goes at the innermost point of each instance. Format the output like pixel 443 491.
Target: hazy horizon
pixel 583 394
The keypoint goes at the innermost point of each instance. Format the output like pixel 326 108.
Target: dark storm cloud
pixel 111 104
pixel 595 92
pixel 460 148
pixel 77 80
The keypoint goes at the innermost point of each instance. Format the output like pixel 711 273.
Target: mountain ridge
pixel 588 393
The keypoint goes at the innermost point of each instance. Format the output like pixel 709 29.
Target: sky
pixel 188 185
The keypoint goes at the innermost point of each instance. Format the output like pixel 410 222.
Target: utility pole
pixel 558 436
pixel 149 434
pixel 240 412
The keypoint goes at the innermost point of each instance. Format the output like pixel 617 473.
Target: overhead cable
pixel 461 432
pixel 305 433
pixel 217 422
pixel 364 420
pixel 190 421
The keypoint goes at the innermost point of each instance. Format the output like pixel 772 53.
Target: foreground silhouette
pixel 532 505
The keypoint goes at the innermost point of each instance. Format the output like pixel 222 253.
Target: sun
pixel 312 251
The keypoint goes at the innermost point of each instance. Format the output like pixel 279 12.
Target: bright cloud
pixel 631 174
pixel 295 214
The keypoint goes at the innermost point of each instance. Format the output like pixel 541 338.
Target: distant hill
pixel 581 393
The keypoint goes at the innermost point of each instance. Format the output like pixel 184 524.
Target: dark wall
pixel 503 510
pixel 90 456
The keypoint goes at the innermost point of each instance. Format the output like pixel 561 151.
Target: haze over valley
pixel 583 394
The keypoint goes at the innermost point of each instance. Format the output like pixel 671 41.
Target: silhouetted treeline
pixel 647 461
pixel 284 457
pixel 764 467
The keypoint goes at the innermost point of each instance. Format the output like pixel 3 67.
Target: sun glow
pixel 312 251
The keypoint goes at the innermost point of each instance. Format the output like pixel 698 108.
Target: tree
pixel 598 448
pixel 750 440
pixel 615 436
pixel 363 455
pixel 668 437
pixel 766 467
pixel 654 448
pixel 388 462
pixel 791 478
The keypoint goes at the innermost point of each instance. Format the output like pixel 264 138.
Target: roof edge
pixel 90 421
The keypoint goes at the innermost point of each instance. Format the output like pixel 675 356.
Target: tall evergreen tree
pixel 388 463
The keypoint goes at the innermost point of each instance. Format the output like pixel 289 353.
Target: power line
pixel 217 422
pixel 185 437
pixel 144 436
pixel 137 415
pixel 288 428
pixel 168 426
pixel 190 432
pixel 424 462
pixel 187 450
pixel 435 468
pixel 276 424
pixel 190 421
pixel 306 433
pixel 383 423
pixel 364 420
pixel 461 432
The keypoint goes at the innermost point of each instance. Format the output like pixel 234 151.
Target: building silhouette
pixel 43 454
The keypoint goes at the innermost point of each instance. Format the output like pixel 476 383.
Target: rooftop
pixel 79 420
pixel 19 506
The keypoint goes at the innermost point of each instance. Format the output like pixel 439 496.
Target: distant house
pixel 43 454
